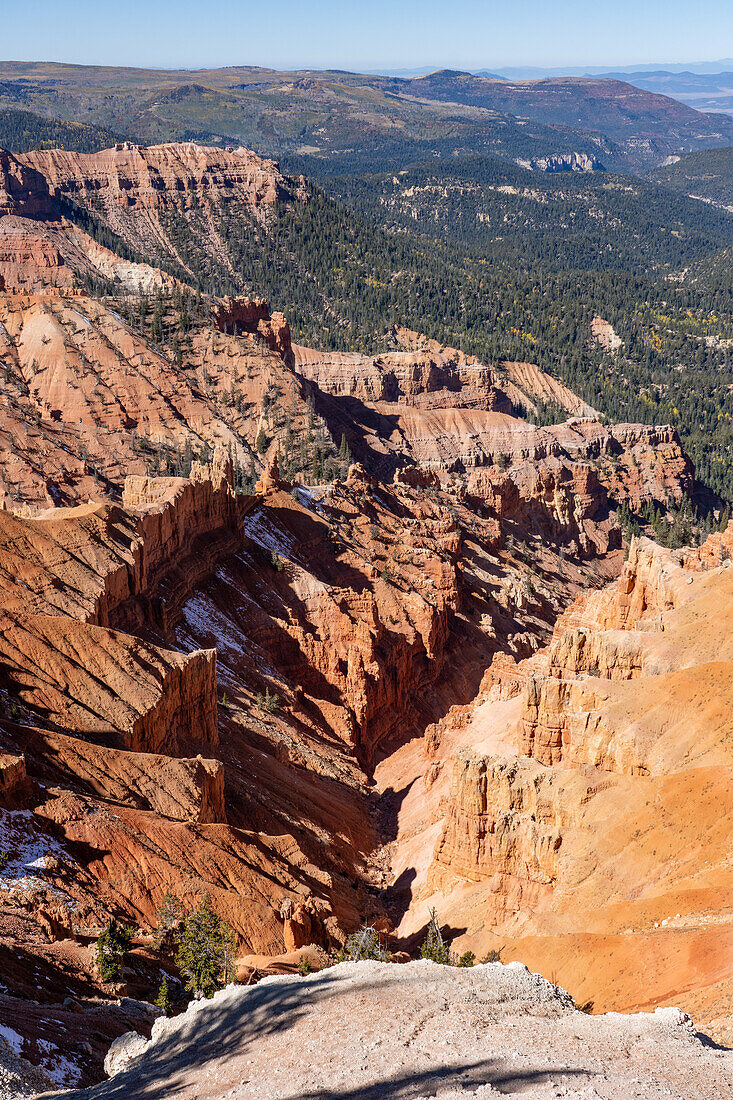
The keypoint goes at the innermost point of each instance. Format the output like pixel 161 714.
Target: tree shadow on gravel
pixel 466 1076
pixel 214 1033
pixel 227 1028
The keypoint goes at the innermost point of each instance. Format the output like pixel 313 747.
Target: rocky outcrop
pixel 156 176
pixel 652 581
pixel 604 637
pixel 31 257
pixel 153 197
pixel 174 787
pixel 503 824
pixel 428 375
pixel 106 685
pixel 23 189
pixel 270 480
pixel 41 250
pixel 605 334
pixel 563 162
pixel 574 769
pixel 235 316
pixel 91 401
pixel 13 778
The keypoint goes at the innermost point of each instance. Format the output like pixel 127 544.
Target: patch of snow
pixel 29 851
pixel 58 1066
pixel 201 614
pixel 13 1039
pixel 43 863
pixel 308 498
pixel 265 534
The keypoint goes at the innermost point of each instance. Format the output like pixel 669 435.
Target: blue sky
pixel 365 36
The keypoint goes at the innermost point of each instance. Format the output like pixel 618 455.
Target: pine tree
pixel 344 452
pixel 206 951
pixel 163 1000
pixel 170 916
pixel 434 947
pixel 112 944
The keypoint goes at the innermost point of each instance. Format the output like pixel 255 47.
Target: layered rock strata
pixel 584 820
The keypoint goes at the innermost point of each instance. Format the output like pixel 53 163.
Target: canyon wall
pixel 610 749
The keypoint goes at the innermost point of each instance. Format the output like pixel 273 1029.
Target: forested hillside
pixel 21 131
pixel 507 213
pixel 344 281
pixel 420 216
pixel 708 175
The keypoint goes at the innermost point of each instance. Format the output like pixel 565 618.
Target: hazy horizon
pixel 389 36
pixel 508 71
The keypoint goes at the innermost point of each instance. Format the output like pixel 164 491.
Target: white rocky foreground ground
pixel 372 1030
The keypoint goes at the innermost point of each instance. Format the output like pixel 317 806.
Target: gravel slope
pixel 373 1030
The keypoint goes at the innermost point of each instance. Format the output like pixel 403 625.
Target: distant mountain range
pixel 337 121
pixel 525 72
pixel 706 86
pixel 533 72
pixel 703 91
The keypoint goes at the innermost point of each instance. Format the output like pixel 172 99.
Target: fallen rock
pixel 125 1049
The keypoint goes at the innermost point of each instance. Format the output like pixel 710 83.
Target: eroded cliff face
pixel 129 175
pixel 328 600
pixel 579 805
pixel 421 372
pixel 23 189
pixel 236 316
pixel 41 250
pixel 362 611
pixel 91 401
pixel 154 197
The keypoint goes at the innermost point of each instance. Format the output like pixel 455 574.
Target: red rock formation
pixel 13 778
pixel 23 189
pixel 153 177
pixel 123 691
pixel 235 316
pixel 606 752
pixel 91 401
pixel 136 189
pixel 428 375
pixel 177 788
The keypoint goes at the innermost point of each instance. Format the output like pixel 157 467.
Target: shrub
pixel 304 966
pixel 206 952
pixel 114 941
pixel 467 959
pixel 269 701
pixel 276 562
pixel 492 957
pixel 364 944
